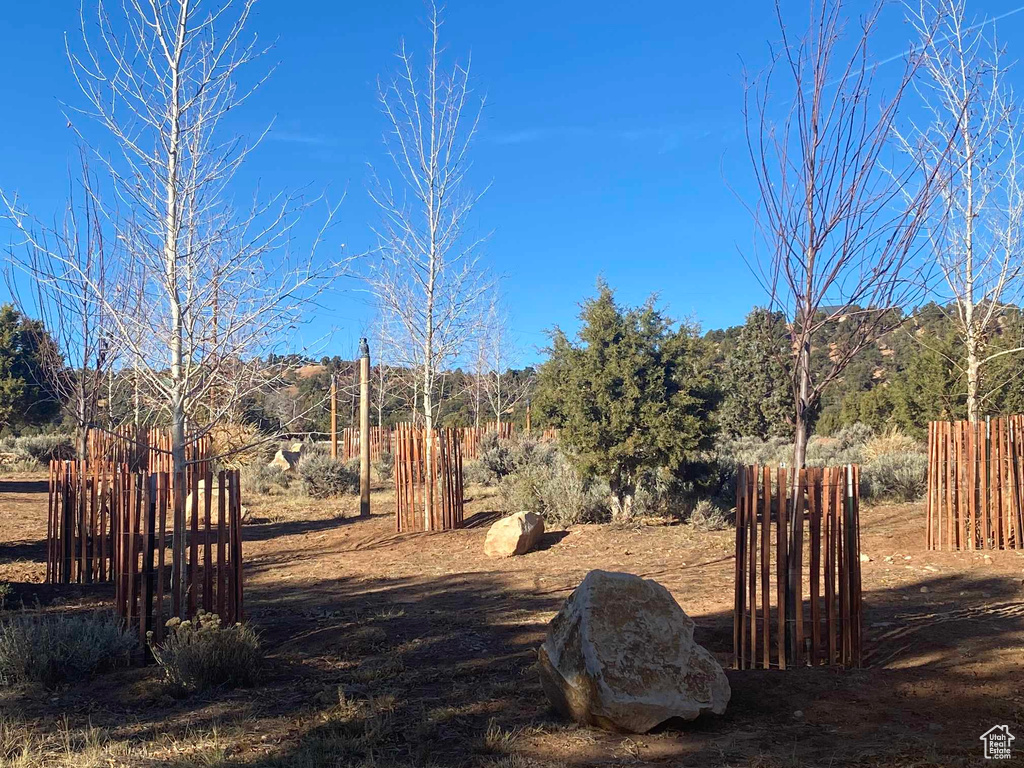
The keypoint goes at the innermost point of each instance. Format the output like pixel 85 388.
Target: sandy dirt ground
pixel 389 649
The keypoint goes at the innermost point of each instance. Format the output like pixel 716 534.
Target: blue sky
pixel 611 138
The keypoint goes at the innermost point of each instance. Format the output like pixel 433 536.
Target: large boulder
pixel 514 535
pixel 214 501
pixel 620 655
pixel 286 460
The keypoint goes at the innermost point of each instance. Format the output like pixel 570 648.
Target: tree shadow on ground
pixel 21 551
pixel 259 529
pixel 482 519
pixel 25 486
pixel 440 672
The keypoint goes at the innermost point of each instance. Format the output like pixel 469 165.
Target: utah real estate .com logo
pixel 997 742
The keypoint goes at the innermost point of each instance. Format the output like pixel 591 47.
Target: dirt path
pixel 431 646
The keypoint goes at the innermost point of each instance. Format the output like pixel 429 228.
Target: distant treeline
pixel 904 380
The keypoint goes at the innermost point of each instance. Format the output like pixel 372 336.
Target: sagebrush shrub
pixel 496 459
pixel 40 448
pixel 707 516
pixel 545 481
pixel 747 451
pixel 24 464
pixel 324 477
pixel 384 466
pixel 259 479
pixel 51 649
pixel 475 473
pixel 200 654
pixel 895 477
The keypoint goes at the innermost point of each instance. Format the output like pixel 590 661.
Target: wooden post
pixel 796 593
pixel 364 428
pixel 528 420
pixel 766 527
pixel 815 499
pixel 752 517
pixel 334 418
pixel 739 637
pixel 781 567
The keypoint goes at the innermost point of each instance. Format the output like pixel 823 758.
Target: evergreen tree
pixel 24 398
pixel 633 392
pixel 757 398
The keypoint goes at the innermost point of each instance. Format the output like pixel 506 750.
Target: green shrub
pixel 56 648
pixel 894 477
pixel 384 466
pixel 200 654
pixel 259 479
pixel 324 477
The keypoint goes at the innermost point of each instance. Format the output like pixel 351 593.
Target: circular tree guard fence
pixel 975 494
pixel 428 489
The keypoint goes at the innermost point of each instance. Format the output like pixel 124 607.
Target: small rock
pixel 924 590
pixel 907 557
pixel 931 568
pixel 798 714
pixel 865 558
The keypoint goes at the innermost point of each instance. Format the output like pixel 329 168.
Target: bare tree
pixel 427 278
pixel 480 369
pixel 216 287
pixel 839 228
pixel 503 387
pixel 71 292
pixel 384 380
pixel 971 143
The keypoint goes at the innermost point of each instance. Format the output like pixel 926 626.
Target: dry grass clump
pixel 892 442
pixel 239 445
pixel 61 745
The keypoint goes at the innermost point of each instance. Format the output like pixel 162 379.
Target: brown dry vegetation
pixel 390 649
